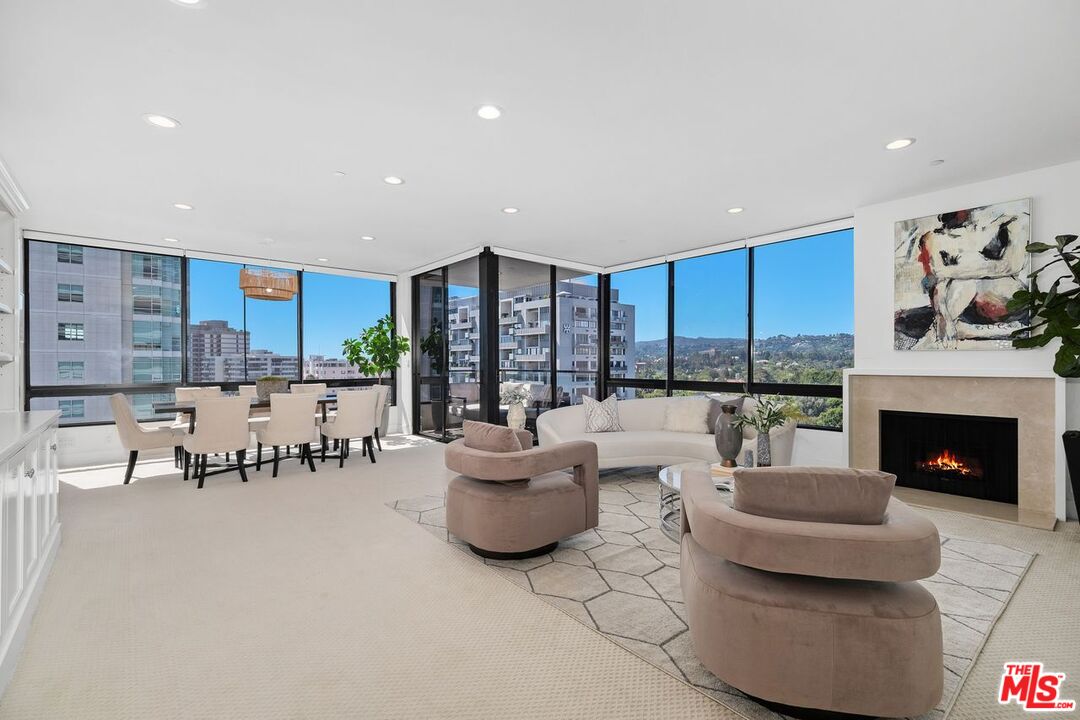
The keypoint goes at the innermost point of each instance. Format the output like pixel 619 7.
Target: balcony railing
pixel 533 328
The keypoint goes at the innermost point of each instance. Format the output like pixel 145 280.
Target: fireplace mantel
pixel 1036 399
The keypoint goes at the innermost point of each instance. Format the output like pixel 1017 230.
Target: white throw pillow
pixel 688 415
pixel 601 416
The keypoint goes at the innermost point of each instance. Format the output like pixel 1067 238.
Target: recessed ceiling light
pixel 939 161
pixel 489 112
pixel 367 237
pixel 510 210
pixel 323 259
pixel 393 180
pixel 735 210
pixel 338 173
pixel 170 239
pixel 899 143
pixel 161 121
pixel 183 206
pixel 189 3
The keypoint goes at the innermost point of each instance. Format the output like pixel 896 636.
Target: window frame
pixel 670 385
pixel 78 391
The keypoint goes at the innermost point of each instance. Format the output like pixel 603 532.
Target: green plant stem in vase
pixel 771 412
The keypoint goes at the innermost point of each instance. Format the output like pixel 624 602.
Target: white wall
pixel 1055 210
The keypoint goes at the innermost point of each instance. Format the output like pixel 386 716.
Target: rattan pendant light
pixel 268 284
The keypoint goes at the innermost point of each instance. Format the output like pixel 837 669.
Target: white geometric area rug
pixel 623 579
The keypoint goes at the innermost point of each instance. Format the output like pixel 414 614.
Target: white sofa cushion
pixel 687 415
pixel 601 417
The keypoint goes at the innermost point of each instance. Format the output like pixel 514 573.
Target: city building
pixel 525 335
pixel 320 367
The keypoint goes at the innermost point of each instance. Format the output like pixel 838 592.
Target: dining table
pixel 187 407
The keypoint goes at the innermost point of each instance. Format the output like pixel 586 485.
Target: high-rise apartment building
pixel 219 352
pixel 525 334
pixel 101 316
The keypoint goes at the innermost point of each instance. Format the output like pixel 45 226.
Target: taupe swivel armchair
pixel 803 592
pixel 510 502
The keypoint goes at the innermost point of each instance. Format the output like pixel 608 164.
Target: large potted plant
pixel 376 353
pixel 1055 314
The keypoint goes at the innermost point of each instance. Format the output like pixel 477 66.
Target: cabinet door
pixel 11 557
pixel 28 500
pixel 54 478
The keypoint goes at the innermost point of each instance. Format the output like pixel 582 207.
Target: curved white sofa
pixel 645 442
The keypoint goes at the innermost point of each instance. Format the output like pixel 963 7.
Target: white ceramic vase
pixel 515 416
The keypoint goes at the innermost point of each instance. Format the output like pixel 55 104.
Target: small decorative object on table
pixel 728 437
pixel 268 384
pixel 515 396
pixel 748 458
pixel 771 412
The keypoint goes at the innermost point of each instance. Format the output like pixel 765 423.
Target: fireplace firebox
pixel 966 455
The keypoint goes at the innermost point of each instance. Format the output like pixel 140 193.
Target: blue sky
pixel 801 286
pixel 335 307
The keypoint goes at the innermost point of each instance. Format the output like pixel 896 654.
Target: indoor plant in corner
pixel 376 353
pixel 1055 314
pixel 771 412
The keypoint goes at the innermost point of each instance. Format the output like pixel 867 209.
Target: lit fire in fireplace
pixel 948 463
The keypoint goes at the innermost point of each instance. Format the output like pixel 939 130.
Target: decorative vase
pixel 764 450
pixel 728 437
pixel 515 416
pixel 263 388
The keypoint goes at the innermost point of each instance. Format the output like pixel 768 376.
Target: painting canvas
pixel 954 273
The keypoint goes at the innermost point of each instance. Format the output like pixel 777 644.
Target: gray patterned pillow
pixel 601 416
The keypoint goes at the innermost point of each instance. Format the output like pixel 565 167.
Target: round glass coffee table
pixel 671 488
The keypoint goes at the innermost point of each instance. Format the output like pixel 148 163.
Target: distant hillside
pixel 815 346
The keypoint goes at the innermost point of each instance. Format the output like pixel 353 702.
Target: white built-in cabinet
pixel 29 522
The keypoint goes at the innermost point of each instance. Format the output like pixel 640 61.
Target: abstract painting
pixel 955 272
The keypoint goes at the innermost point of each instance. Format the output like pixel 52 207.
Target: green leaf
pixel 1067 362
pixel 1038 247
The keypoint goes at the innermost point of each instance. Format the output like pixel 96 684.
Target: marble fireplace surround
pixel 1037 401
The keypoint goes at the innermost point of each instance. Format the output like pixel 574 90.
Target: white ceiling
pixel 630 126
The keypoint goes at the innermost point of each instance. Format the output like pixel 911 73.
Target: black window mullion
pixel 750 319
pixel 670 328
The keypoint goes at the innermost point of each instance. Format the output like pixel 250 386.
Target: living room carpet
pixel 622 579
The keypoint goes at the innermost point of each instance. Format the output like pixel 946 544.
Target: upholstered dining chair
pixel 221 427
pixel 384 395
pixel 134 437
pixel 355 418
pixel 292 422
pixel 319 389
pixel 183 419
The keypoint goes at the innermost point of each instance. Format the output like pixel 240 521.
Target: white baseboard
pixel 14 637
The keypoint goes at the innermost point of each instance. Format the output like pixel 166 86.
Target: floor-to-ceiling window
pixel 772 318
pixel 577 335
pixel 710 318
pixel 804 321
pixel 541 334
pixel 103 320
pixel 638 331
pixel 337 307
